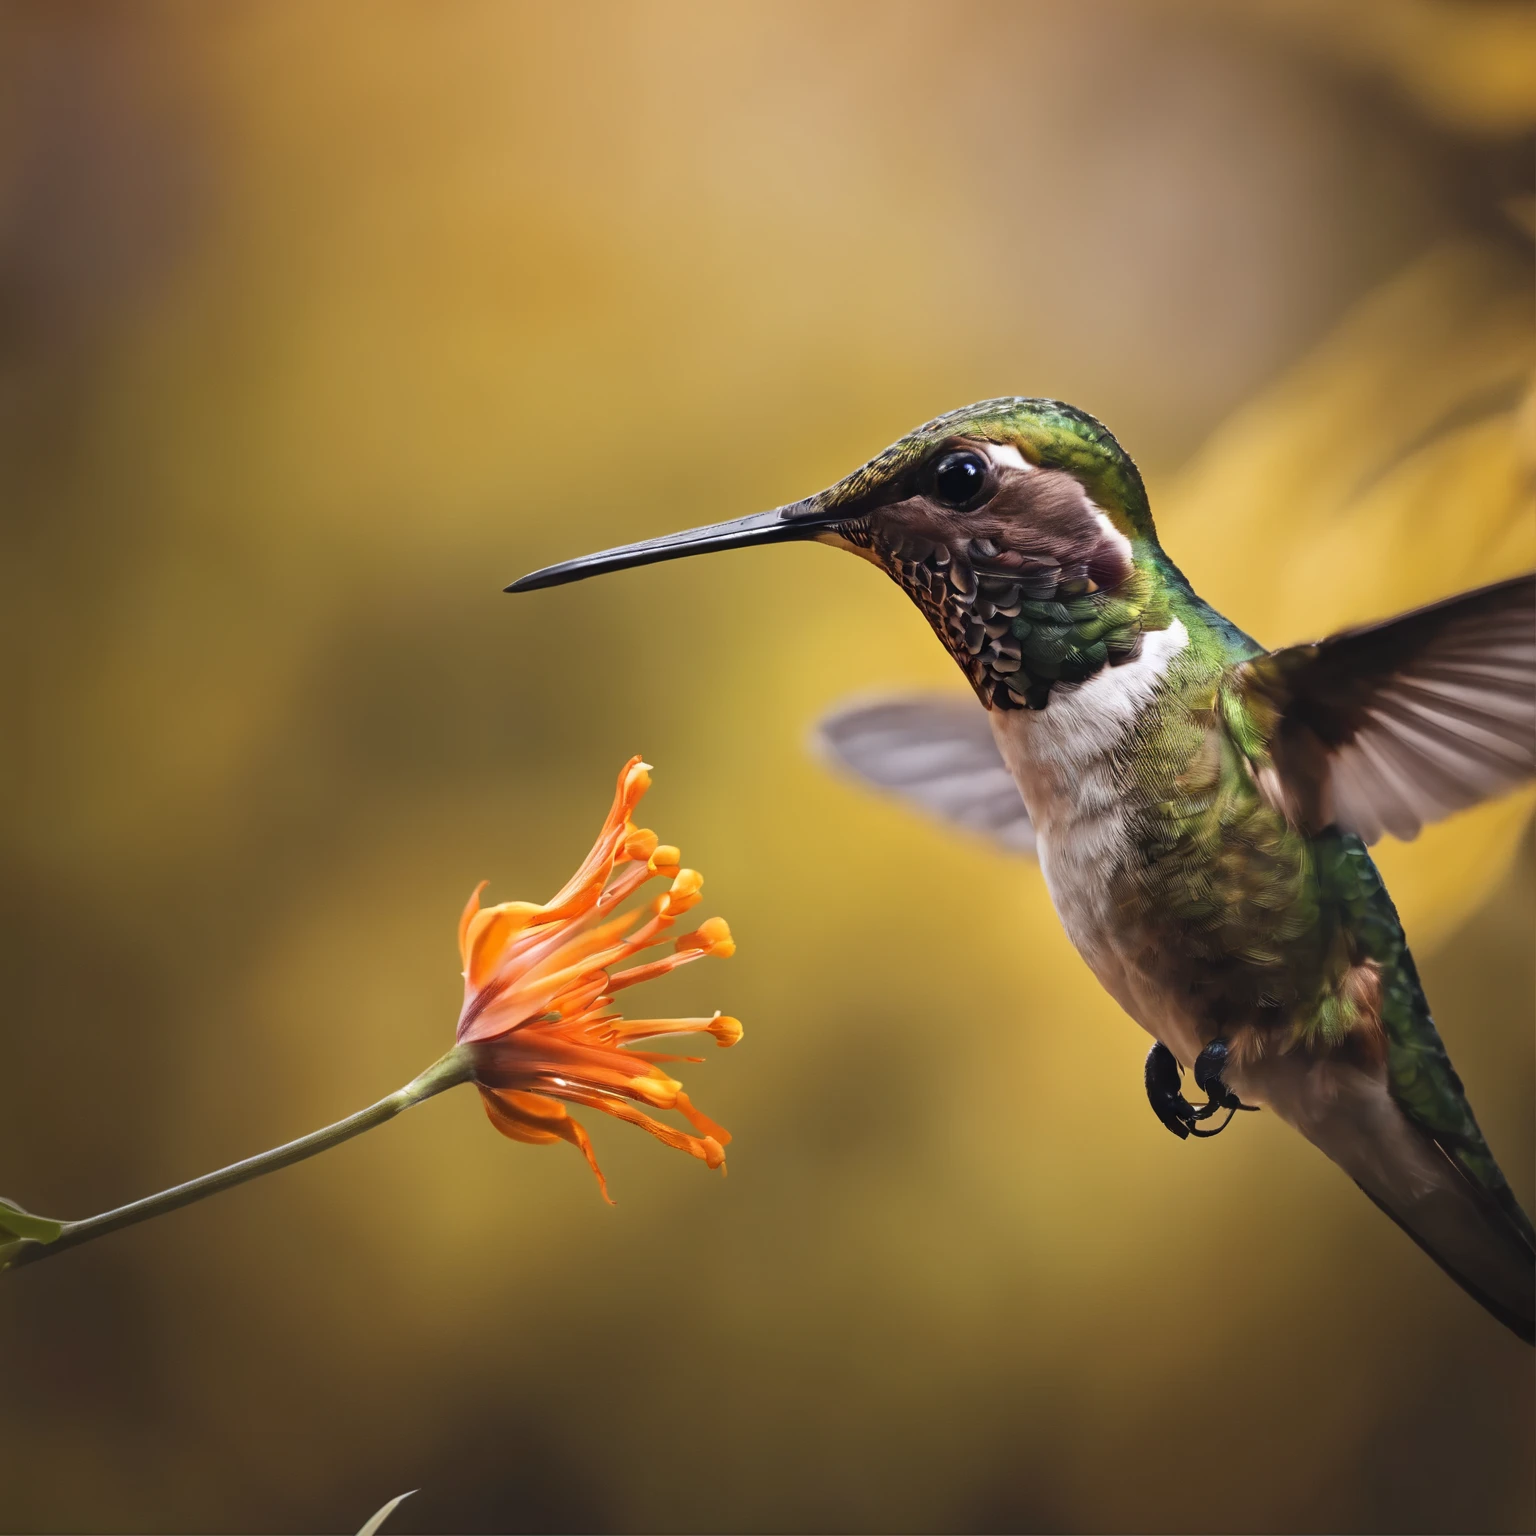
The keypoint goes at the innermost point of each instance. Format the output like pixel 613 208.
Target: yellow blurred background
pixel 318 324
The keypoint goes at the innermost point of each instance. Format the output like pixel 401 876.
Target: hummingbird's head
pixel 1014 525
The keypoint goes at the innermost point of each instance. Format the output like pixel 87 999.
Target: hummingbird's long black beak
pixel 799 520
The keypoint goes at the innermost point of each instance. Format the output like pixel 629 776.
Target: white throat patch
pixel 1063 760
pixel 1060 756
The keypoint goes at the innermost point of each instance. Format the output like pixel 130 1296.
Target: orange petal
pixel 526 1117
pixel 706 1148
pixel 537 993
pixel 582 888
pixel 701 1122
pixel 567 944
pixel 530 1117
pixel 487 934
pixel 470 908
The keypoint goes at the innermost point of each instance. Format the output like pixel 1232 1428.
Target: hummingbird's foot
pixel 1168 1101
pixel 1163 1092
pixel 1209 1066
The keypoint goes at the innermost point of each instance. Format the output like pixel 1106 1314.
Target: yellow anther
pixel 640 844
pixel 725 1029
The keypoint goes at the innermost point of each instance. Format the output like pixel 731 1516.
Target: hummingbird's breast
pixel 1196 905
pixel 1095 795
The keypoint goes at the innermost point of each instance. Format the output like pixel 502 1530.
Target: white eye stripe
pixel 1006 456
pixel 1113 535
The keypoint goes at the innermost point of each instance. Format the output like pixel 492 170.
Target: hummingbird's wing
pixel 935 751
pixel 1387 727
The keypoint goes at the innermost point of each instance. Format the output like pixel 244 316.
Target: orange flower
pixel 539 982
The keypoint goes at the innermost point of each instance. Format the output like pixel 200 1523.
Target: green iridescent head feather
pixel 1049 433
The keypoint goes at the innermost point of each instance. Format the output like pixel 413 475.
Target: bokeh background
pixel 319 323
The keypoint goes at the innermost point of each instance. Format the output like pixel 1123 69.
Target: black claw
pixel 1215 1130
pixel 1168 1103
pixel 1209 1066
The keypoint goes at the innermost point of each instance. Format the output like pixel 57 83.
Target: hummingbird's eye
pixel 959 478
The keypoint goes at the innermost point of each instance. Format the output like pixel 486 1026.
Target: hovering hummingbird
pixel 1200 806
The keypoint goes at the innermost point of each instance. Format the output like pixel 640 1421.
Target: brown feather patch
pixel 1030 592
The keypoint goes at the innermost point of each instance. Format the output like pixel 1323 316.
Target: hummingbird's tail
pixel 1476 1233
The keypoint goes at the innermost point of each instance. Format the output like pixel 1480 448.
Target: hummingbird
pixel 1200 806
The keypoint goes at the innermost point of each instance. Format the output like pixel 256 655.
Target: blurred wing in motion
pixel 935 751
pixel 1393 725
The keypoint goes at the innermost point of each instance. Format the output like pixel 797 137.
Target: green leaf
pixel 380 1516
pixel 19 1223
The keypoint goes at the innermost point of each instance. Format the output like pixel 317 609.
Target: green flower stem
pixel 457 1066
